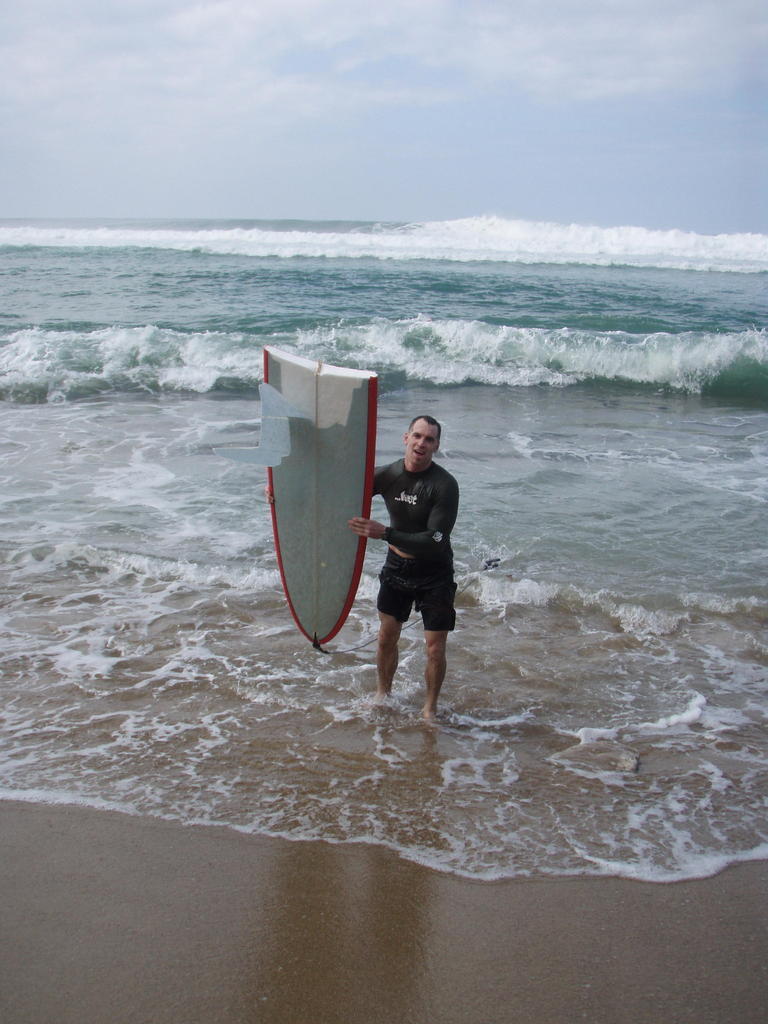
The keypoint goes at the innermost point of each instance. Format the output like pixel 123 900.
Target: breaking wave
pixel 39 365
pixel 485 239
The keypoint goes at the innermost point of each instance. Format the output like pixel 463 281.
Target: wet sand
pixel 109 919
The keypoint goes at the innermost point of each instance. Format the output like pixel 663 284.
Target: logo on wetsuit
pixel 409 499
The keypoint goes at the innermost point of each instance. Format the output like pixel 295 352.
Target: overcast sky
pixel 609 112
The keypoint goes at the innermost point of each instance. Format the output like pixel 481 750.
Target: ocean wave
pixel 484 239
pixel 501 594
pixel 147 569
pixel 39 365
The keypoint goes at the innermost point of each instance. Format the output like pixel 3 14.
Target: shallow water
pixel 604 394
pixel 605 705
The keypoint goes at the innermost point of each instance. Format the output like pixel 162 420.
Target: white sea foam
pixel 118 564
pixel 443 352
pixel 498 592
pixel 722 605
pixel 690 715
pixel 146 357
pixel 455 352
pixel 521 444
pixel 485 238
pixel 489 722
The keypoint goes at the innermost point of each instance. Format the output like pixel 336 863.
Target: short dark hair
pixel 427 419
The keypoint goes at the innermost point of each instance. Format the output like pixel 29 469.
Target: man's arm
pixel 367 528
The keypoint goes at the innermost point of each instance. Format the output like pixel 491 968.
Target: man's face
pixel 421 443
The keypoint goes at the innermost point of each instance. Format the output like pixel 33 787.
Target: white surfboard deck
pixel 319 440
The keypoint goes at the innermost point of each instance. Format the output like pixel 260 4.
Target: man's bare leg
pixel 434 673
pixel 386 654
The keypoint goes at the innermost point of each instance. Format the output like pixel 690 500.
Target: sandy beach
pixel 109 918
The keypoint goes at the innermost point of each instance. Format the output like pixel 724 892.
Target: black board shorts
pixel 403 583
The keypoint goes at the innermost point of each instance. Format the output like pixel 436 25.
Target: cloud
pixel 353 106
pixel 300 58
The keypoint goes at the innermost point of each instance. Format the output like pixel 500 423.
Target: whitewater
pixel 604 398
pixel 474 239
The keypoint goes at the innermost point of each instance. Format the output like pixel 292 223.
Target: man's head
pixel 430 421
pixel 422 439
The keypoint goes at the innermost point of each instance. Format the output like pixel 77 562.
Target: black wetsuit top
pixel 422 510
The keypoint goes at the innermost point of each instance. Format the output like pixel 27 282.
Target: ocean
pixel 604 401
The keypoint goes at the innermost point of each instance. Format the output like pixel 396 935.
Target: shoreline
pixel 108 917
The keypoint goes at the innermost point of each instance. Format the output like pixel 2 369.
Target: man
pixel 422 500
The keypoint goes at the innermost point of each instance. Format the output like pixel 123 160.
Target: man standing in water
pixel 422 500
